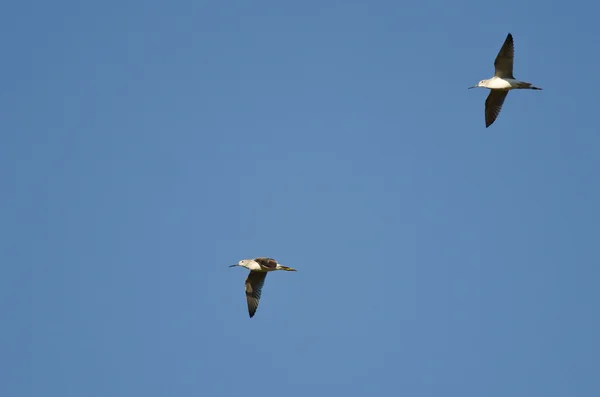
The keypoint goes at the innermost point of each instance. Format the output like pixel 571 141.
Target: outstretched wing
pixel 493 105
pixel 254 284
pixel 504 59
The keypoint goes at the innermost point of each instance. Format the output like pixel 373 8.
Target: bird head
pixel 242 263
pixel 480 84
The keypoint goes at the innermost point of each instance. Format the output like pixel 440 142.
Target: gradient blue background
pixel 145 146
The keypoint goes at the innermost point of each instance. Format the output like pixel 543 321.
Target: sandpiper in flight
pixel 502 82
pixel 259 267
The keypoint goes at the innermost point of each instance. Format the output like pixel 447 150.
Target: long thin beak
pixel 289 269
pixel 475 86
pixel 234 265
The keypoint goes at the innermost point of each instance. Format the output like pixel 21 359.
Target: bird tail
pixel 525 85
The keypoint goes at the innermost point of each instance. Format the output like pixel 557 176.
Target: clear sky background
pixel 145 146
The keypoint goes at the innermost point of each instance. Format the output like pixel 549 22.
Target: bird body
pixel 502 82
pixel 499 83
pixel 259 267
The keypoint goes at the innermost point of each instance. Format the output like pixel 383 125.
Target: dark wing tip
pixel 509 42
pixel 252 305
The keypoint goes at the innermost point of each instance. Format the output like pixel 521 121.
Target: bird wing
pixel 504 59
pixel 266 262
pixel 493 105
pixel 254 284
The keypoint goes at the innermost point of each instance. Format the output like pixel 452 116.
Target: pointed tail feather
pixel 525 85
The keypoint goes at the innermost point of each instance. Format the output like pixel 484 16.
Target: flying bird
pixel 502 82
pixel 259 267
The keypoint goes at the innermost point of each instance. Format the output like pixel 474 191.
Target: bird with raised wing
pixel 502 82
pixel 259 267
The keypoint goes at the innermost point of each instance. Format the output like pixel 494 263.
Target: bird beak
pixel 289 269
pixel 234 265
pixel 475 86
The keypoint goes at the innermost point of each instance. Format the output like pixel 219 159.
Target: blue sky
pixel 146 146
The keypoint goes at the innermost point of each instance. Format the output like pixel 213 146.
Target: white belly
pixel 502 84
pixel 255 267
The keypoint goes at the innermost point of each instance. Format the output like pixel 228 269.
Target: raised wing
pixel 504 59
